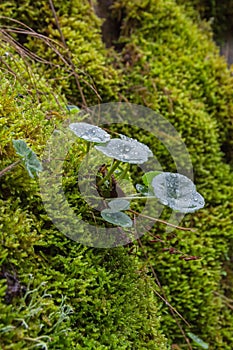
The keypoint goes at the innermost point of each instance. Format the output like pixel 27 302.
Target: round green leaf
pixel 148 177
pixel 144 190
pixel 117 218
pixel 118 205
pixel 126 150
pixel 178 192
pixel 89 132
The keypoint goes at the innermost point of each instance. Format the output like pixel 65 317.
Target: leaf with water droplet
pixel 125 151
pixel 144 190
pixel 118 205
pixel 136 142
pixel 90 132
pixel 178 192
pixel 116 218
pixel 196 202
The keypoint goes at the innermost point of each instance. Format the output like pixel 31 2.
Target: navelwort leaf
pixel 148 177
pixel 118 205
pixel 137 143
pixel 116 218
pixel 144 190
pixel 89 132
pixel 126 150
pixel 178 192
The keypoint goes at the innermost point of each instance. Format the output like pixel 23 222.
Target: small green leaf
pixel 118 205
pixel 89 132
pixel 148 177
pixel 198 341
pixel 21 148
pixel 126 150
pixel 32 164
pixel 117 218
pixel 30 160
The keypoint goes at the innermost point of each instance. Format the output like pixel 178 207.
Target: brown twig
pixel 24 52
pixel 162 221
pixel 225 300
pixel 9 168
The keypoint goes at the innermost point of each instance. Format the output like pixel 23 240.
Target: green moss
pixel 170 64
pixel 82 69
pixel 218 13
pixel 56 293
pixel 183 78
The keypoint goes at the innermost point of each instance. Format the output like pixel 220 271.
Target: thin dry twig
pixel 225 300
pixel 163 222
pixel 26 53
pixel 9 168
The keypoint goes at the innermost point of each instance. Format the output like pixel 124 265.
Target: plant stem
pixel 162 221
pixel 133 197
pixel 111 170
pixel 122 176
pixel 9 167
pixel 88 149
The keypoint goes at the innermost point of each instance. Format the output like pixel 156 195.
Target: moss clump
pixel 77 60
pixel 219 13
pixel 56 293
pixel 173 66
pixel 170 64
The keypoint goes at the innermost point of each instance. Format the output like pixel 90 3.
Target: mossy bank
pixel 57 293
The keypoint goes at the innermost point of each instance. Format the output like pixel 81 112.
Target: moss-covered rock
pixel 56 293
pixel 77 59
pixel 171 65
pixel 182 76
pixel 218 13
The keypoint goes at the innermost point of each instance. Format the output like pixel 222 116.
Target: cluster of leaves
pixel 174 190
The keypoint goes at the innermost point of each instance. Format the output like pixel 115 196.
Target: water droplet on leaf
pixel 90 132
pixel 178 192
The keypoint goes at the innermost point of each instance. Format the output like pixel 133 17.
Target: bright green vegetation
pixel 76 297
pixel 185 80
pixel 217 12
pixel 68 296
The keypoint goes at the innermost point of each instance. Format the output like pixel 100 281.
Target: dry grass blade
pixel 164 222
pixel 6 36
